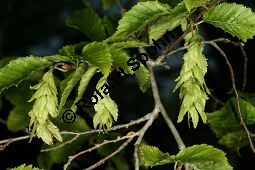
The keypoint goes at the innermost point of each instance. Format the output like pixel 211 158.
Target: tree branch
pixel 111 155
pixel 241 45
pixel 236 94
pixel 7 142
pixel 130 135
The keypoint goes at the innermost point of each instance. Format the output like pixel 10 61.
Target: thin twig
pixel 122 126
pixel 158 107
pixel 2 121
pixel 241 45
pixel 62 144
pixel 158 103
pixel 111 155
pixel 120 5
pixel 153 116
pixel 105 142
pixel 236 94
pixel 7 142
pixel 87 4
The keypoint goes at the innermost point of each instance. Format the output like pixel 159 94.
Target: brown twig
pixel 241 45
pixel 130 135
pixel 153 116
pixel 7 142
pixel 2 121
pixel 236 94
pixel 159 108
pixel 62 144
pixel 120 5
pixel 111 155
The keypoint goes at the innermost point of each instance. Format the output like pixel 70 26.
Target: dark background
pixel 37 27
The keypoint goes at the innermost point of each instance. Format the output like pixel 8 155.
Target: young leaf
pixel 109 25
pixel 141 15
pixel 204 157
pixel 88 22
pixel 152 156
pixel 120 58
pixel 19 69
pixel 106 112
pixel 98 54
pixel 191 4
pixel 142 76
pixel 24 167
pixel 121 42
pixel 198 154
pixel 233 18
pixel 58 58
pixel 214 166
pixel 168 23
pixel 226 125
pixel 18 118
pixel 85 79
pixel 70 84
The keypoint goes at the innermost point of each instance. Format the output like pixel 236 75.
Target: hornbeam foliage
pixel 233 18
pixel 18 70
pixel 108 49
pixel 202 156
pixel 141 15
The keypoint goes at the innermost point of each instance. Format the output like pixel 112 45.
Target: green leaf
pixel 58 58
pixel 18 118
pixel 191 4
pixel 247 109
pixel 198 154
pixel 85 79
pixel 120 58
pixel 204 157
pixel 88 22
pixel 70 84
pixel 109 25
pixel 24 167
pixel 106 112
pixel 168 23
pixel 19 69
pixel 226 125
pixel 141 15
pixel 142 76
pixel 152 156
pixel 249 97
pixel 233 18
pixel 47 159
pixel 121 42
pixel 170 2
pixel 98 54
pixel 214 166
pixel 235 139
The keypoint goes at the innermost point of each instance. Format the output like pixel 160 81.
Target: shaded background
pixel 38 28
